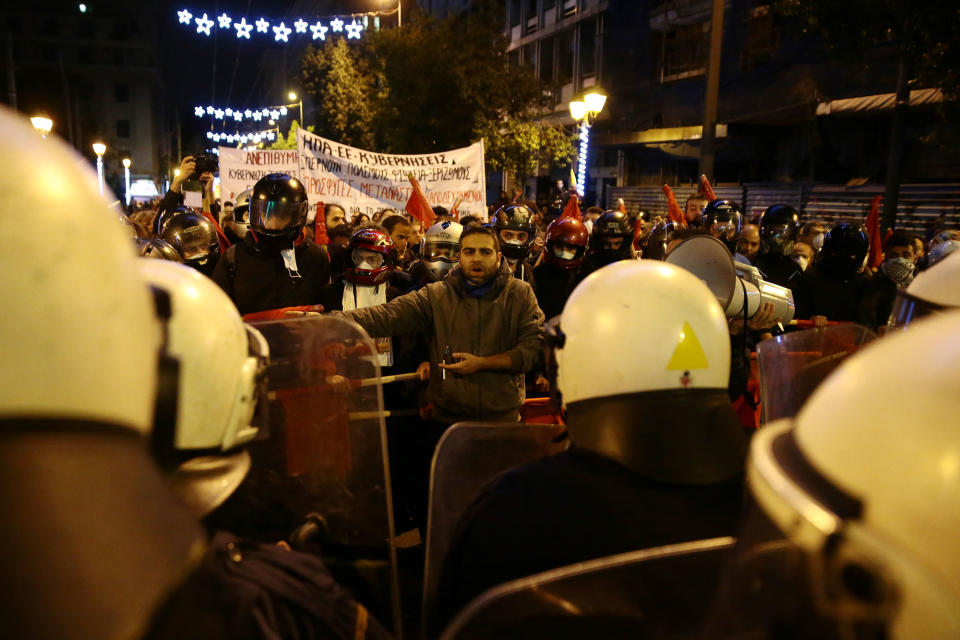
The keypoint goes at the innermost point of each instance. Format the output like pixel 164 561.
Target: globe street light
pixel 42 124
pixel 584 112
pixel 99 148
pixel 292 96
pixel 126 180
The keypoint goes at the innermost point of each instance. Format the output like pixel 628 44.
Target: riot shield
pixel 468 456
pixel 662 593
pixel 323 455
pixel 792 365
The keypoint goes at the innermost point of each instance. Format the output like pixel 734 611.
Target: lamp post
pixel 99 148
pixel 126 180
pixel 584 112
pixel 42 124
pixel 292 96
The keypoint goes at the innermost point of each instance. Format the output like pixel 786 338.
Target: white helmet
pixel 221 359
pixel 646 338
pixel 92 539
pixel 934 290
pixel 863 489
pixel 240 216
pixel 942 245
pixel 440 248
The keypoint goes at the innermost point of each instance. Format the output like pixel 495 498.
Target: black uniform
pixel 258 280
pixel 572 507
pixel 778 269
pixel 552 286
pixel 820 293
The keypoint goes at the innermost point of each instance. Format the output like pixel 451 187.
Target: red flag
pixel 705 189
pixel 673 209
pixel 572 210
pixel 320 226
pixel 621 207
pixel 417 205
pixel 455 209
pixel 873 232
pixel 637 231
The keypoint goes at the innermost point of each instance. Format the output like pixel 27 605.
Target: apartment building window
pixel 121 92
pixel 548 6
pixel 569 7
pixel 547 47
pixel 761 39
pixel 515 13
pixel 681 52
pixel 123 128
pixel 588 48
pixel 565 56
pixel 531 16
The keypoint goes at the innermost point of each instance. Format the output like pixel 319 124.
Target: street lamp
pixel 295 99
pixel 584 112
pixel 99 148
pixel 42 124
pixel 126 180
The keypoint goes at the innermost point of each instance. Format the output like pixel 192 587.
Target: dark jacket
pixel 258 280
pixel 553 286
pixel 843 299
pixel 506 319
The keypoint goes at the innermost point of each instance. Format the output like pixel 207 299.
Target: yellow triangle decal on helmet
pixel 688 354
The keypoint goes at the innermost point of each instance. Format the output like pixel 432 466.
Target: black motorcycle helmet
pixel 516 217
pixel 278 210
pixel 779 228
pixel 660 236
pixel 724 220
pixel 195 239
pixel 611 224
pixel 158 249
pixel 844 249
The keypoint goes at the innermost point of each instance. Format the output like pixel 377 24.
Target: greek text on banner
pixel 240 169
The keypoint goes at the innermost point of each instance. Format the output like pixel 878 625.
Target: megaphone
pixel 740 289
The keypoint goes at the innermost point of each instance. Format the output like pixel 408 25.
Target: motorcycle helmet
pixel 195 239
pixel 515 217
pixel 278 210
pixel 845 248
pixel 610 226
pixel 724 220
pixel 779 228
pixel 566 243
pixel 371 256
pixel 241 214
pixel 440 248
pixel 157 248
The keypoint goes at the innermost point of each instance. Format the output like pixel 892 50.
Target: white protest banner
pixel 366 182
pixel 240 169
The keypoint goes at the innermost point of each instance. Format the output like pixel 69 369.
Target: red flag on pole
pixel 417 205
pixel 320 236
pixel 455 209
pixel 673 209
pixel 705 189
pixel 572 210
pixel 621 207
pixel 873 232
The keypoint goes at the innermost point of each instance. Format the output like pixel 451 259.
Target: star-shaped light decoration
pixel 184 16
pixel 198 111
pixel 354 29
pixel 218 114
pixel 283 111
pixel 203 24
pixel 282 32
pixel 210 111
pixel 224 20
pixel 256 116
pixel 243 29
pixel 274 114
pixel 228 112
pixel 248 114
pixel 319 31
pixel 265 112
pixel 243 139
pixel 210 134
pixel 301 26
pixel 216 137
pixel 237 116
pixel 271 136
pixel 336 24
pixel 256 137
pixel 262 26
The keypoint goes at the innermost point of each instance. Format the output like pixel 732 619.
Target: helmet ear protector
pixel 163 435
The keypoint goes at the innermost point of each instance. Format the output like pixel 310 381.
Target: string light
pixel 242 138
pixel 278 29
pixel 221 113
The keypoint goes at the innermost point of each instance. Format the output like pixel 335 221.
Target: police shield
pixel 322 458
pixel 663 593
pixel 467 457
pixel 794 364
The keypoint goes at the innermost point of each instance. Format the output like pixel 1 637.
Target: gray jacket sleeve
pixel 529 350
pixel 409 312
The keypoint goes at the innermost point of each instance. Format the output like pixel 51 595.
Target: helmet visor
pixel 434 251
pixel 268 215
pixel 193 242
pixel 908 308
pixel 366 259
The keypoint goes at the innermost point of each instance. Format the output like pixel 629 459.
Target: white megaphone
pixel 739 288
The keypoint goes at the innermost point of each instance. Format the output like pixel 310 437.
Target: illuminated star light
pixel 185 16
pixel 257 115
pixel 243 29
pixel 204 24
pixel 274 114
pixel 282 32
pixel 228 111
pixel 265 112
pixel 210 111
pixel 300 25
pixel 198 111
pixel 248 114
pixel 224 21
pixel 262 26
pixel 237 116
pixel 218 114
pixel 319 31
pixel 336 24
pixel 270 136
pixel 283 111
pixel 354 29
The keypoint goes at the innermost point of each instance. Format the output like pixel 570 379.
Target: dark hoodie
pixel 503 319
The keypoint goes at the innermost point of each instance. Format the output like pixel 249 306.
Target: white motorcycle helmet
pixel 221 365
pixel 240 216
pixel 92 538
pixel 646 339
pixel 932 291
pixel 854 530
pixel 440 248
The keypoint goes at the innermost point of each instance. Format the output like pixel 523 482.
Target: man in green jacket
pixel 484 332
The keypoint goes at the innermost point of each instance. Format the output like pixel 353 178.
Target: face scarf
pixel 899 270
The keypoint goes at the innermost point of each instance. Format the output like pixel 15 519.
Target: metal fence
pixel 920 207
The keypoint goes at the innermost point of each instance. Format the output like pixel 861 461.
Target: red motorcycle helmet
pixel 566 231
pixel 371 256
